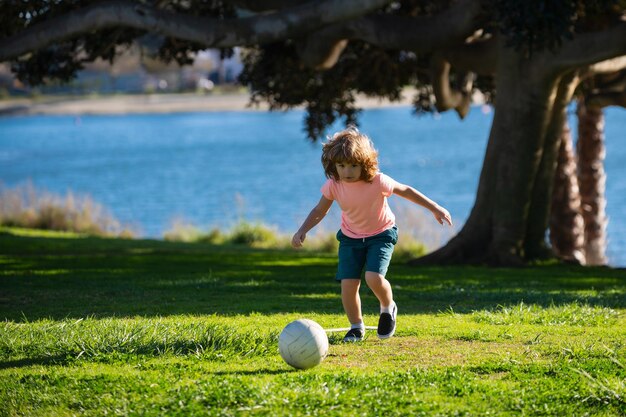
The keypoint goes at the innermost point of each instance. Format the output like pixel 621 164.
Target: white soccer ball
pixel 303 344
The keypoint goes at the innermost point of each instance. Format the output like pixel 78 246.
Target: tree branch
pixel 615 81
pixel 266 5
pixel 420 34
pixel 607 90
pixel 258 29
pixel 480 56
pixel 322 49
pixel 590 48
pixel 448 98
pixel 601 100
pixel 609 66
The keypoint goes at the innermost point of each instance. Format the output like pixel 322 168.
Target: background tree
pixel 592 180
pixel 578 219
pixel 567 226
pixel 321 54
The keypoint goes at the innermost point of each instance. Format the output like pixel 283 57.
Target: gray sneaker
pixel 354 335
pixel 387 323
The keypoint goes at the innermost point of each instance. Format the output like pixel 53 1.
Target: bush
pixel 28 207
pixel 182 231
pixel 243 233
pixel 408 248
pixel 256 235
pixel 322 242
pixel 214 237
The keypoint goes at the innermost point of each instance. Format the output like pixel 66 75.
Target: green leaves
pixel 275 75
pixel 538 25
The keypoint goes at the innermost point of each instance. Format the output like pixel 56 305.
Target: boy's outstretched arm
pixel 315 216
pixel 411 194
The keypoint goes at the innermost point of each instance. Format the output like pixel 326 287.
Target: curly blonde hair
pixel 350 146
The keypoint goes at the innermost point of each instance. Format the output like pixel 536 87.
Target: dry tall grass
pixel 29 207
pixel 416 224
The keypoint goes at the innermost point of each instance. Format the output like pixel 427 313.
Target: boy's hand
pixel 442 215
pixel 298 239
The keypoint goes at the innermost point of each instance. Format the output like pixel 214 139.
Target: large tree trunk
pixel 592 181
pixel 495 232
pixel 566 222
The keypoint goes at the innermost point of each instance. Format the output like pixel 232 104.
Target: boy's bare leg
pixel 351 299
pixel 380 287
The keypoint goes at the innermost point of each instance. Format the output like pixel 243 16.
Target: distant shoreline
pixel 152 103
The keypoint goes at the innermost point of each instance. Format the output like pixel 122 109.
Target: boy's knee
pixel 350 284
pixel 374 278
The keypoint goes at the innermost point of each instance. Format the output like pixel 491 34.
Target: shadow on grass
pixel 64 361
pixel 61 278
pixel 255 372
pixel 44 361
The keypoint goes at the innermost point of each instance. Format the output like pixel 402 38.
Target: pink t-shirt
pixel 364 208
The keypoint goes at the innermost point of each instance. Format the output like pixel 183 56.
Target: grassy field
pixel 100 327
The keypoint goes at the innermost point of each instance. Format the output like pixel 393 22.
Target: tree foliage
pixel 276 72
pixel 536 25
pixel 276 75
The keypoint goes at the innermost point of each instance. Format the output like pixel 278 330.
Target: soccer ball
pixel 303 344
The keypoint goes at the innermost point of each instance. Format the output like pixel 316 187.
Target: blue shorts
pixel 373 253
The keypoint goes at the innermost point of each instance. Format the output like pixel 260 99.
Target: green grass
pixel 96 326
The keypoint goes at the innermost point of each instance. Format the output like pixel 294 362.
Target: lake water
pixel 212 169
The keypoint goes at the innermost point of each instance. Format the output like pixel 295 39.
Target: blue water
pixel 213 168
